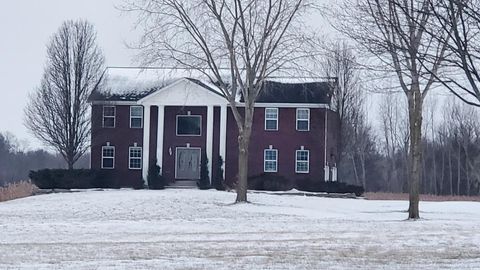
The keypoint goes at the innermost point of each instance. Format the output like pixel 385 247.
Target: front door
pixel 187 163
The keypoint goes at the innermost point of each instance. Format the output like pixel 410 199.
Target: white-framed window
pixel 108 116
pixel 108 157
pixel 303 119
pixel 189 125
pixel 270 160
pixel 302 161
pixel 271 118
pixel 135 158
pixel 136 116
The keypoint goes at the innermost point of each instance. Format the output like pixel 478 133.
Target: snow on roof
pixel 131 83
pixel 134 83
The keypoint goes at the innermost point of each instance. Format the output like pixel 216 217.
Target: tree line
pixel 16 161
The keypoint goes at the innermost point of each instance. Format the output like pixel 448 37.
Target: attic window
pixel 189 125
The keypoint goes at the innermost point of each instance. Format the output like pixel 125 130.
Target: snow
pixel 194 229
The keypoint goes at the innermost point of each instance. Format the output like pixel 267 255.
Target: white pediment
pixel 184 92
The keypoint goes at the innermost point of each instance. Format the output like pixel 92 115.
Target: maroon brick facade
pixel 286 140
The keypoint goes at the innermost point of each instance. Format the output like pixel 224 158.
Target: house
pixel 142 117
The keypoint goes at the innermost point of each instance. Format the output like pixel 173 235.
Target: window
pixel 302 163
pixel 136 116
pixel 108 157
pixel 189 125
pixel 135 158
pixel 303 119
pixel 271 118
pixel 109 116
pixel 270 160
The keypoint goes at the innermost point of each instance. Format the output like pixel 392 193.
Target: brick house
pixel 140 117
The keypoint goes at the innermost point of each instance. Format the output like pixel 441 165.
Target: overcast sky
pixel 25 29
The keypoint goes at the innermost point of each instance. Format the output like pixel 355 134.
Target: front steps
pixel 187 184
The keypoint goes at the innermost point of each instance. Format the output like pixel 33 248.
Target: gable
pixel 185 92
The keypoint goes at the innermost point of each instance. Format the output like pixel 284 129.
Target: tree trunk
pixel 459 166
pixel 243 145
pixel 415 174
pixel 450 169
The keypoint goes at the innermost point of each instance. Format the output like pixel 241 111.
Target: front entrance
pixel 187 163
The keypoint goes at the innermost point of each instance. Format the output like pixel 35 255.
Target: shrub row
pixel 71 179
pixel 274 182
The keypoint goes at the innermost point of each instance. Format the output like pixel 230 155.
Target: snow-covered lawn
pixel 193 229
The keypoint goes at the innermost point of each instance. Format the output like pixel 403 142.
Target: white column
pixel 160 130
pixel 146 142
pixel 210 139
pixel 223 135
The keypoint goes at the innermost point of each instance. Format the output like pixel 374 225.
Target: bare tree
pixel 237 44
pixel 347 99
pixel 57 113
pixel 461 20
pixel 393 31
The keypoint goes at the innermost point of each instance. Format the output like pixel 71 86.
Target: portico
pixel 158 122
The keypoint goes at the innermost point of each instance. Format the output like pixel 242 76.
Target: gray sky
pixel 25 29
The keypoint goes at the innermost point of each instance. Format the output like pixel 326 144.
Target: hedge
pixel 71 179
pixel 329 187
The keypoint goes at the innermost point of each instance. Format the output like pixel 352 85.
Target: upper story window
pixel 271 118
pixel 270 160
pixel 135 158
pixel 108 157
pixel 136 116
pixel 109 116
pixel 189 125
pixel 303 119
pixel 302 161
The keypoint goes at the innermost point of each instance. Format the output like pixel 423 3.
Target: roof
pixel 295 92
pixel 133 84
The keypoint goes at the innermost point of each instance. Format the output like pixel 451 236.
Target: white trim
pixel 113 157
pixel 141 116
pixel 286 105
pixel 113 102
pixel 209 148
pixel 308 120
pixel 199 163
pixel 187 135
pixel 109 116
pixel 146 142
pixel 130 148
pixel 265 160
pixel 271 119
pixel 223 136
pixel 302 161
pixel 160 134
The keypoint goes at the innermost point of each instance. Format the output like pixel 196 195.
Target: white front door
pixel 187 163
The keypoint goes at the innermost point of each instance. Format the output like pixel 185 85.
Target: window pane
pixel 302 155
pixel 136 122
pixel 302 166
pixel 271 124
pixel 270 166
pixel 302 114
pixel 107 162
pixel 135 152
pixel 188 125
pixel 271 155
pixel 108 152
pixel 302 125
pixel 109 121
pixel 108 111
pixel 271 113
pixel 136 111
pixel 135 163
